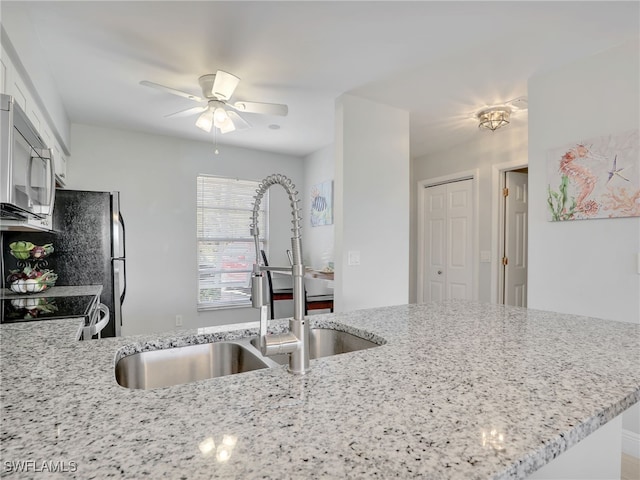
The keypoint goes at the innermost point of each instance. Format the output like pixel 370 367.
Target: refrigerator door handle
pixel 123 258
pixel 124 276
pixel 119 256
pixel 124 243
pixel 117 300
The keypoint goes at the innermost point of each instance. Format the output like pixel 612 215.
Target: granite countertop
pixel 422 405
pixel 62 291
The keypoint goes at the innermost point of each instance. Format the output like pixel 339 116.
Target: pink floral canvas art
pixel 595 178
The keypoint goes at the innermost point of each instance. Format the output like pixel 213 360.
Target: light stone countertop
pixel 415 407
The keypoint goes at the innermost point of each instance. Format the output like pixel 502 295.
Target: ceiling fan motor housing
pixel 206 83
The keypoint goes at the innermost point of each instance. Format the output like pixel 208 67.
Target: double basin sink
pixel 179 365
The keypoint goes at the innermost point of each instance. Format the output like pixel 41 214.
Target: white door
pixel 435 238
pixel 448 237
pixel 515 245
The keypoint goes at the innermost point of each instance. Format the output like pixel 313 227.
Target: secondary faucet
pixel 295 342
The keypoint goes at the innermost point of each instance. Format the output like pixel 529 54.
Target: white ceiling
pixel 441 61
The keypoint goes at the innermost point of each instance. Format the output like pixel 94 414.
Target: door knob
pixel 439 272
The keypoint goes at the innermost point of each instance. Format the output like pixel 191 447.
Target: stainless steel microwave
pixel 27 176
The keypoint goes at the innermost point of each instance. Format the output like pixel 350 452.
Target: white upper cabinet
pixel 59 159
pixel 11 83
pixel 60 165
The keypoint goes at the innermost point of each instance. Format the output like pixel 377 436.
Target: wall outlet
pixel 178 320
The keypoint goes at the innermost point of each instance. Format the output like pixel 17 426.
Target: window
pixel 226 252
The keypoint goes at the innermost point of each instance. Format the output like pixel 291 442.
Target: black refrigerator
pixel 89 241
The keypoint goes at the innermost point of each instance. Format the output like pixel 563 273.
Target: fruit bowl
pixel 30 285
pixel 29 251
pixel 31 280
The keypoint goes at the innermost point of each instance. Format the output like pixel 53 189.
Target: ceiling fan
pixel 215 109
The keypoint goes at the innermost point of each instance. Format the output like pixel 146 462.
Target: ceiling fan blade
pixel 224 85
pixel 187 112
pixel 258 107
pixel 173 91
pixel 238 122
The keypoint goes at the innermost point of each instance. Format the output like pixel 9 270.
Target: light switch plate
pixel 353 257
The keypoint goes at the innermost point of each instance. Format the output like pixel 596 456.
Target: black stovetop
pixel 28 308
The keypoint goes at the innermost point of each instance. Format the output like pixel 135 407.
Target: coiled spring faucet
pixel 295 342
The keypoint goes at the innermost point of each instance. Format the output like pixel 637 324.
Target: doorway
pixel 513 237
pixel 447 239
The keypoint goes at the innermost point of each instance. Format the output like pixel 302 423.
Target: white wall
pixel 585 267
pixel 156 176
pixel 509 144
pixel 372 204
pixel 318 241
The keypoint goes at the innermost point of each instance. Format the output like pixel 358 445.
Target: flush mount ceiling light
pixel 493 118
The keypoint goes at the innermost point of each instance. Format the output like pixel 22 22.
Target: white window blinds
pixel 226 252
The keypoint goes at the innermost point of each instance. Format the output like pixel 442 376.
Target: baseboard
pixel 631 443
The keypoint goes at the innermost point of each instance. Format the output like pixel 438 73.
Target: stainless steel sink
pixel 325 342
pixel 179 365
pixel 175 366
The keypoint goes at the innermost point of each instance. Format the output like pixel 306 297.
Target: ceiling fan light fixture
pixel 205 121
pixel 217 113
pixel 494 118
pixel 220 116
pixel 227 126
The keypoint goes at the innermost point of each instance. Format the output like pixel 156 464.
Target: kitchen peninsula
pixel 458 390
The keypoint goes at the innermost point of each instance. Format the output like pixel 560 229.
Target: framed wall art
pixel 595 178
pixel 322 204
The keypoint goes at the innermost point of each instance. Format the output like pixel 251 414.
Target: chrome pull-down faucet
pixel 295 342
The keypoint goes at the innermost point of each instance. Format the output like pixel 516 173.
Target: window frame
pixel 214 243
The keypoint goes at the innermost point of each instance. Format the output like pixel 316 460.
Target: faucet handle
pixel 257 287
pixel 275 344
